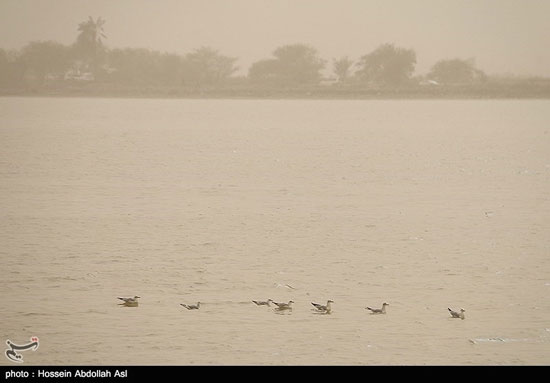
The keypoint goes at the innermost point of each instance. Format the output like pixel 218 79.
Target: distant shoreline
pixel 485 91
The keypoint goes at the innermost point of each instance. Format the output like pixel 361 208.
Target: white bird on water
pixel 327 309
pixel 263 303
pixel 191 307
pixel 130 301
pixel 284 306
pixel 379 311
pixel 455 314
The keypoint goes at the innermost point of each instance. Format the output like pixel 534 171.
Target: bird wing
pixel 318 306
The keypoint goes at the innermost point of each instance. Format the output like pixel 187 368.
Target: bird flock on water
pixel 287 306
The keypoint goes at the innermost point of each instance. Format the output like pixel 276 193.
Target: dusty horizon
pixel 503 37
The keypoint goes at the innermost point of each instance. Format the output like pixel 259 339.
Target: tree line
pixel 293 65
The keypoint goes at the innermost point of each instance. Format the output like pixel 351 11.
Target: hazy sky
pixel 504 36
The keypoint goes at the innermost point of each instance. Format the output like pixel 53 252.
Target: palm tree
pixel 89 44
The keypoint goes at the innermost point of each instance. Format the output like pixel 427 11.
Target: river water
pixel 424 204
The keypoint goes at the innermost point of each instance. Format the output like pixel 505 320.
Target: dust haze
pixel 504 36
pixel 275 182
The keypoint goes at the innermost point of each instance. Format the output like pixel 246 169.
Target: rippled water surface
pixel 422 204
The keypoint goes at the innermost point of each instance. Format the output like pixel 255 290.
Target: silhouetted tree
pixel 139 66
pixel 265 71
pixel 293 65
pixel 455 71
pixel 206 67
pixel 170 66
pixel 89 45
pixel 11 69
pixel 136 66
pixel 342 68
pixel 387 65
pixel 41 58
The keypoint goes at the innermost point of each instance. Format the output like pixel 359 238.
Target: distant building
pixel 429 82
pixel 77 75
pixel 79 72
pixel 328 81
